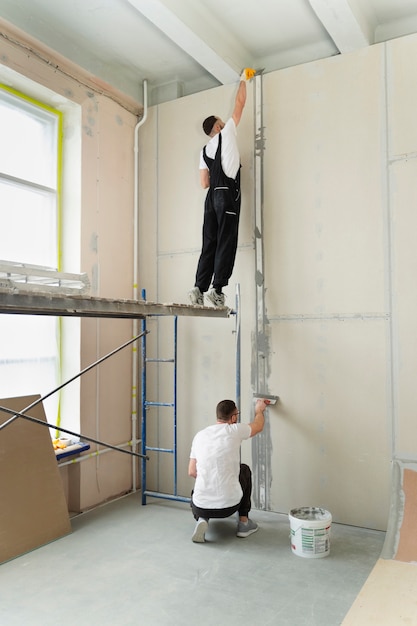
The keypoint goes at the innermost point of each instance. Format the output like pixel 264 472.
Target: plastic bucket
pixel 310 532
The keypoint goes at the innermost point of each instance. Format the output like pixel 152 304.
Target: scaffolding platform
pixel 38 290
pixel 32 303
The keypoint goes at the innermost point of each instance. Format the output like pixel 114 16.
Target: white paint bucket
pixel 310 532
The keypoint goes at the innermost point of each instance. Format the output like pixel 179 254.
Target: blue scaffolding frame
pixel 147 404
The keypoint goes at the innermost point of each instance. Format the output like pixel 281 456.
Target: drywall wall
pixel 327 273
pixel 338 224
pixel 107 253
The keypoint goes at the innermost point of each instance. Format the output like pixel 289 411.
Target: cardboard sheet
pixel 33 508
pixel 407 546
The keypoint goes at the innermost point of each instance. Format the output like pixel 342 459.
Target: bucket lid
pixel 312 513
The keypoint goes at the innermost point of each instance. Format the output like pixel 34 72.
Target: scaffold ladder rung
pixel 160 361
pixel 159 403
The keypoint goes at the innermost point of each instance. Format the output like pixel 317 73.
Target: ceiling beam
pixel 184 37
pixel 341 24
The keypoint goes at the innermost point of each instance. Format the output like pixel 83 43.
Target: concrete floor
pixel 125 564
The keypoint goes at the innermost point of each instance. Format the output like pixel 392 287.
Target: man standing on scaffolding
pixel 220 174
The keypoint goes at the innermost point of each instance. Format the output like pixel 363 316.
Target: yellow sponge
pixel 249 73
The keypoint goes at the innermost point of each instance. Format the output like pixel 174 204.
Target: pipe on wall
pixel 135 353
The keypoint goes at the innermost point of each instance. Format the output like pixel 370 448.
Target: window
pixel 30 157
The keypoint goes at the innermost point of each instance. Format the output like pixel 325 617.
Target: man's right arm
pixel 257 425
pixel 240 102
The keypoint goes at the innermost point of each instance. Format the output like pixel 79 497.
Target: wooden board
pixel 407 546
pixel 33 508
pixel 388 598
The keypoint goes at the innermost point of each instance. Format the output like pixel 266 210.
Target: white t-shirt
pixel 230 150
pixel 217 451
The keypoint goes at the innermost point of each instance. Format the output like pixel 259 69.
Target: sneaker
pixel 200 530
pixel 215 298
pixel 245 529
pixel 196 297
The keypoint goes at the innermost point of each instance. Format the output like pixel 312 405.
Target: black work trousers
pixel 243 507
pixel 220 236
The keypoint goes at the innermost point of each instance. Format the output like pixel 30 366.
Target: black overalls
pixel 220 227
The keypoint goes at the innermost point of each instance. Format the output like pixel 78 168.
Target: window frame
pixel 53 116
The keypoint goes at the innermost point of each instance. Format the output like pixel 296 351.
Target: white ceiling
pixel 184 46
